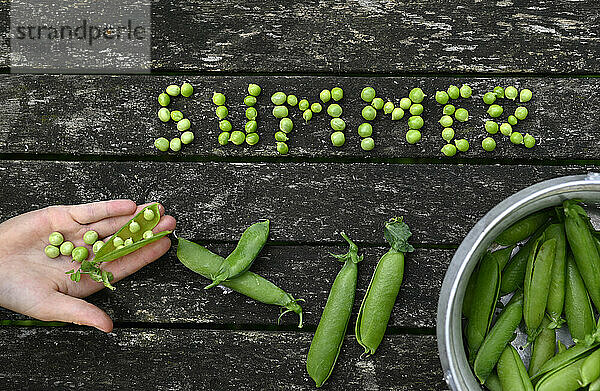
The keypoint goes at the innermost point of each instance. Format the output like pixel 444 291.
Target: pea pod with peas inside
pixel 327 341
pixel 383 289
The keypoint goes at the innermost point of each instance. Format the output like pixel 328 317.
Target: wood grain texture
pixel 116 116
pixel 182 359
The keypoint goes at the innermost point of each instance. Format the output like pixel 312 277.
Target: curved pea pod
pixel 543 348
pixel 327 341
pixel 383 289
pixel 578 308
pixel 564 379
pixel 511 371
pixel 241 258
pixel 583 246
pixel 492 383
pixel 483 304
pixel 499 337
pixel 206 263
pixel 590 369
pixel 108 252
pixel 523 228
pixel 595 386
pixel 556 291
pixel 536 284
pixel 563 359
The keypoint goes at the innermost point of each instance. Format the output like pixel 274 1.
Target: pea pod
pixel 147 219
pixel 556 291
pixel 492 383
pixel 207 263
pixel 564 379
pixel 543 348
pixel 523 228
pixel 537 282
pixel 383 289
pixel 499 337
pixel 327 341
pixel 584 249
pixel 511 371
pixel 578 308
pixel 590 369
pixel 241 258
pixel 470 292
pixel 595 386
pixel 563 359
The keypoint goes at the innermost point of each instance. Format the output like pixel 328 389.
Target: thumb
pixel 64 308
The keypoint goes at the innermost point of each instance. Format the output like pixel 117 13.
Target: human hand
pixel 37 286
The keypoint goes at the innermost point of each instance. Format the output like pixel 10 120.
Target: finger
pixel 109 226
pixel 96 211
pixel 65 308
pixel 133 262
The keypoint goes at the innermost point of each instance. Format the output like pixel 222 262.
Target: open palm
pixel 37 286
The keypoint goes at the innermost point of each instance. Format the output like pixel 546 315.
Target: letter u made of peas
pixel 383 289
pixel 327 341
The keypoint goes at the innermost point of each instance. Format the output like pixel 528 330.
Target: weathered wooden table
pixel 81 138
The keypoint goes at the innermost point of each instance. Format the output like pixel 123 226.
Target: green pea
pixel 448 134
pixel 251 126
pixel 465 91
pixel 279 98
pixel 397 114
pixel 173 90
pixel 281 136
pixel 516 138
pixel 128 242
pixel 337 93
pixel 218 99
pixel 416 109
pixel 252 139
pixel 491 127
pixel 365 129
pixel 251 113
pixel 521 113
pixel 446 121
pixel 367 94
pixel 56 238
pixel 338 124
pixel 148 234
pixel 506 129
pixel 225 125
pixel 449 109
pixel 97 246
pixel 80 254
pixel 325 96
pixel 495 111
pixel 405 103
pixel 511 92
pixel 254 89
pixel 512 120
pixel 449 150
pixel 307 115
pixel 499 91
pixel 134 227
pixel 441 97
pixel 250 100
pixel 525 95
pixel 164 99
pixel 367 144
pixel 162 144
pixel 377 103
pixel 462 145
pixel 461 115
pixel 369 113
pixel 187 90
pixel 177 115
pixel 183 125
pixel 316 108
pixel 66 248
pixel 175 144
pixel 529 141
pixel 489 98
pixel 334 110
pixel 416 95
pixel 187 137
pixel 292 100
pixel 282 148
pixel 303 105
pixel 164 114
pixel 90 237
pixel 224 138
pixel 286 125
pixel 388 107
pixel 453 92
pixel 221 111
pixel 338 139
pixel 413 136
pixel 511 371
pixel 51 251
pixel 120 247
pixel 415 122
pixel 237 137
pixel 117 241
pixel 488 144
pixel 280 111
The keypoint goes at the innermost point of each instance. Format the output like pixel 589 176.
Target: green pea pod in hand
pixel 327 341
pixel 241 258
pixel 537 282
pixel 206 263
pixel 511 371
pixel 523 228
pixel 578 308
pixel 543 348
pixel 383 289
pixel 556 291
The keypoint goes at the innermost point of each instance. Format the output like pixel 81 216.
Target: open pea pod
pixel 146 220
pixel 563 359
pixel 537 282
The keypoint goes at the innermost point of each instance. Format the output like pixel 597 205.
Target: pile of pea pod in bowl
pixel 519 304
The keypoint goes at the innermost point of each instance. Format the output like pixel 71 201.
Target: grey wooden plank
pixel 306 202
pixel 116 116
pixel 167 292
pixel 180 359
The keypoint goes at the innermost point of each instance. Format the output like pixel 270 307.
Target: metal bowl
pixel 457 372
